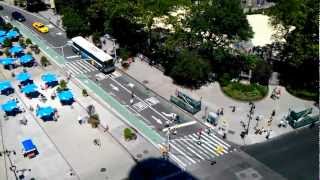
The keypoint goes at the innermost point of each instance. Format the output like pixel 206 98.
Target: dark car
pixel 18 16
pixel 1 7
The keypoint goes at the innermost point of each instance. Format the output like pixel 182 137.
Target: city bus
pixel 95 56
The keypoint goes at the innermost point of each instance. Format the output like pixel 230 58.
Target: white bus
pixel 97 57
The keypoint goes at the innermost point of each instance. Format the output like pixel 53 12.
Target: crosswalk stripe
pixel 88 65
pixel 189 151
pixel 82 64
pixel 210 137
pixel 73 68
pixel 206 146
pixel 210 143
pixel 190 148
pixel 182 153
pixel 177 159
pixel 223 142
pixel 200 148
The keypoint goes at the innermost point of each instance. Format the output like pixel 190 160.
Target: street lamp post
pixel 250 116
pixel 12 167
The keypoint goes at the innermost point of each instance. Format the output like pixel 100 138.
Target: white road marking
pixel 152 101
pixel 71 57
pixel 186 146
pixel 59 33
pixel 182 153
pixel 50 26
pixel 180 125
pixel 140 106
pixel 114 87
pixel 129 91
pixel 158 120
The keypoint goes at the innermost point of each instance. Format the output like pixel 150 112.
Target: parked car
pixel 18 16
pixel 40 27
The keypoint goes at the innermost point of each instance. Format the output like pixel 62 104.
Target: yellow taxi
pixel 40 27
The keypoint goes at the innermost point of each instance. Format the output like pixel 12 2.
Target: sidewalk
pixel 213 98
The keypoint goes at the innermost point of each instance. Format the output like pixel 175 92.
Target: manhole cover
pixel 145 81
pixel 139 155
pixel 145 152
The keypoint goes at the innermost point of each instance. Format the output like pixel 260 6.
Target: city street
pixel 191 146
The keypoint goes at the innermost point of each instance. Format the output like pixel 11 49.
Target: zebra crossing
pixel 80 67
pixel 188 150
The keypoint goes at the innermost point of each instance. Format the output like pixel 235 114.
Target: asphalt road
pixel 294 155
pixel 188 152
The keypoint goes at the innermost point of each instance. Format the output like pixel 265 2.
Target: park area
pixel 245 92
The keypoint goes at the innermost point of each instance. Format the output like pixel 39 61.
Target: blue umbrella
pixel 4 85
pixel 2 33
pixel 9 105
pixel 29 88
pixel 23 76
pixel 12 34
pixel 7 61
pixel 65 95
pixel 15 49
pixel 28 146
pixel 26 58
pixel 49 77
pixel 44 111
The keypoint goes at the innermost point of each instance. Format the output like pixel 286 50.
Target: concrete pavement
pixel 213 98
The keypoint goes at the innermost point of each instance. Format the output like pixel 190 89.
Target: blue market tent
pixel 25 59
pixel 6 88
pixel 15 49
pixel 23 76
pixel 2 33
pixel 10 106
pixel 45 113
pixel 50 79
pixel 5 85
pixel 65 96
pixel 7 61
pixel 29 149
pixel 12 34
pixel 29 88
pixel 28 145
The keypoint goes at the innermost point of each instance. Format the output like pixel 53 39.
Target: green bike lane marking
pixel 131 119
pixel 128 117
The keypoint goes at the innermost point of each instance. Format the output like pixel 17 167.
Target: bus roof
pixel 91 48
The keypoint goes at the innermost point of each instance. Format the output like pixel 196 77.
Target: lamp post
pixel 250 116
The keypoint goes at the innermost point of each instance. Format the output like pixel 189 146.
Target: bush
pixel 8 26
pixel 303 93
pixel 22 43
pixel 28 41
pixel 129 134
pixel 244 92
pixel 63 85
pixel 94 120
pixel 7 43
pixel 84 92
pixel 44 61
pixel 35 48
pixel 225 79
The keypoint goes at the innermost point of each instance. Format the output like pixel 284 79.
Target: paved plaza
pixel 213 98
pixel 64 145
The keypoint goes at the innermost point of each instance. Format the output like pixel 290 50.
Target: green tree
pixel 74 23
pixel 261 72
pixel 300 53
pixel 190 69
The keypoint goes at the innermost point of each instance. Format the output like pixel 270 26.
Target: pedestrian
pixel 221 112
pixel 233 108
pixel 132 94
pixel 218 112
pixel 273 113
pixel 131 101
pixel 209 131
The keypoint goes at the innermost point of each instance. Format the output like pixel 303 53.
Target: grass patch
pixel 303 93
pixel 242 92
